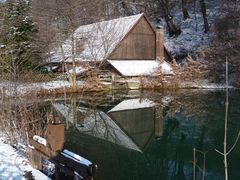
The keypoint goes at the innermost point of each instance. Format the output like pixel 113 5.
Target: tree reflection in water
pixel 145 141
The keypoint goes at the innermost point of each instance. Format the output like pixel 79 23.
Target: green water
pixel 154 134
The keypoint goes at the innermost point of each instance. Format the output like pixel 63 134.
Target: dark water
pixel 151 135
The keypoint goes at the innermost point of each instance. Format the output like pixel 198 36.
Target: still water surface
pixel 151 135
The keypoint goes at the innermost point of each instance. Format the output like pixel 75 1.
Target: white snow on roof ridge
pixel 134 17
pixel 96 41
pixel 131 104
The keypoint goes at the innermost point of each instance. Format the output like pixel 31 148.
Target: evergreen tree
pixel 18 52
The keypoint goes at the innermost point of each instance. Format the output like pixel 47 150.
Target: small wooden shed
pixel 130 45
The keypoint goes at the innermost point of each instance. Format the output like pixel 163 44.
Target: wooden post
pixel 159 43
pixel 194 163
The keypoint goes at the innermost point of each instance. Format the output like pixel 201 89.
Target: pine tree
pixel 18 52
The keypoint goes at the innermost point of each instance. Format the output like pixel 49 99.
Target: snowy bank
pixel 8 88
pixel 13 165
pixel 192 37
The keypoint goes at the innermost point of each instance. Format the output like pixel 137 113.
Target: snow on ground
pixel 189 40
pixel 25 89
pixel 192 36
pixel 13 165
pixel 57 84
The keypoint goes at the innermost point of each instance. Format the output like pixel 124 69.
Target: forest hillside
pixel 204 30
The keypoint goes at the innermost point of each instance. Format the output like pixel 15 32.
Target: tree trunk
pixel 195 15
pixel 173 29
pixel 204 13
pixel 185 10
pixel 125 8
pixel 73 75
pixel 225 153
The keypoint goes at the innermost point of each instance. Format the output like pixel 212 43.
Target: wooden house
pixel 129 46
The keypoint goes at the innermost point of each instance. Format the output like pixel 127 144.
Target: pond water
pixel 151 135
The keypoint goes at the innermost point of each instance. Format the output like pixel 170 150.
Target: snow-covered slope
pixel 13 165
pixel 192 37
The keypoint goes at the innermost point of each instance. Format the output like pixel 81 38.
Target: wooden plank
pixel 139 44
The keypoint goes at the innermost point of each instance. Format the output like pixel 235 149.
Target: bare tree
pixel 66 25
pixel 125 8
pixel 2 11
pixel 44 16
pixel 226 42
pixel 204 13
pixel 172 27
pixel 185 9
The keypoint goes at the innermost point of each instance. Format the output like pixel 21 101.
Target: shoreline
pixel 61 87
pixel 13 165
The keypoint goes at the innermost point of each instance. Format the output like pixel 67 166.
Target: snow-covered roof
pixel 78 70
pixel 130 104
pixel 139 67
pixel 96 41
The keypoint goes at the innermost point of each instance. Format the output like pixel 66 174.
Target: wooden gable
pixel 138 44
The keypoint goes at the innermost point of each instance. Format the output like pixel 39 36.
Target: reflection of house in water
pixel 137 118
pixel 131 124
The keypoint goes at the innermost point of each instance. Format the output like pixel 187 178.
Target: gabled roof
pixel 98 40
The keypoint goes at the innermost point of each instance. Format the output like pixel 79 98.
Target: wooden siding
pixel 138 44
